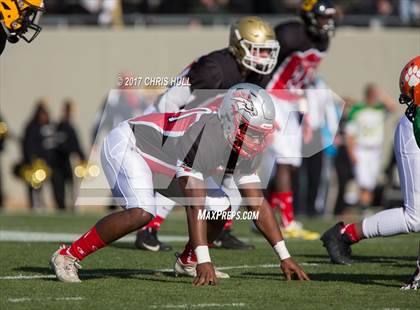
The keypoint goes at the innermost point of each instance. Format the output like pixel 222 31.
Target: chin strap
pixel 411 112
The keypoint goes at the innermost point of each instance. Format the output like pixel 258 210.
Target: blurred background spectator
pixel 409 11
pixel 38 152
pixel 311 185
pixel 342 164
pixel 365 135
pixel 67 144
pixel 108 12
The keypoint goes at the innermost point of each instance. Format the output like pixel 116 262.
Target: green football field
pixel 120 277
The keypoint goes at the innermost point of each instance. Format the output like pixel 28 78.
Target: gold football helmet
pixel 19 18
pixel 253 42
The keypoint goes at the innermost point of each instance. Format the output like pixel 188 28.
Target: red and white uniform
pixel 145 154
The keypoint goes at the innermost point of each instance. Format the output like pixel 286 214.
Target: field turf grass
pixel 120 277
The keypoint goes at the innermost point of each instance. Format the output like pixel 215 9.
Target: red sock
pixel 155 223
pixel 188 256
pixel 228 225
pixel 90 242
pixel 350 230
pixel 284 201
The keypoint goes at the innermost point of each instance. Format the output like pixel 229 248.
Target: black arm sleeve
pixel 205 77
pixel 205 74
pixel 290 38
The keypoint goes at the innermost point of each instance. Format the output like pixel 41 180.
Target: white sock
pixel 385 223
pixel 164 206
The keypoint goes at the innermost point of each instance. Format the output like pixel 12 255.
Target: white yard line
pixel 188 306
pixel 23 277
pixel 111 273
pixel 36 236
pixel 31 236
pixel 26 299
pixel 260 266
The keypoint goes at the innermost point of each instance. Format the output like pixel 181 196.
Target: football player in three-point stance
pixel 252 49
pixel 391 222
pixel 188 147
pixel 303 45
pixel 19 20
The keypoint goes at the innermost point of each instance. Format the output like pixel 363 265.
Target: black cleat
pixel 147 239
pixel 337 245
pixel 228 241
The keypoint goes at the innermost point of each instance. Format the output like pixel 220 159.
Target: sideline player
pixel 252 49
pixel 303 46
pixel 391 222
pixel 207 142
pixel 19 20
pixel 365 134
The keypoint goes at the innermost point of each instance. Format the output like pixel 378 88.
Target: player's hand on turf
pixel 206 275
pixel 292 270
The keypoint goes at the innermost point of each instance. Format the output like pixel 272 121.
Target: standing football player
pixel 19 20
pixel 391 222
pixel 188 147
pixel 303 46
pixel 252 49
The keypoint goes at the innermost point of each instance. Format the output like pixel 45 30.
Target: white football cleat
pixel 189 270
pixel 65 267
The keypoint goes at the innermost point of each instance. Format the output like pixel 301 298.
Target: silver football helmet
pixel 247 115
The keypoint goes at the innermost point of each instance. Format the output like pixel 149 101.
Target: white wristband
pixel 202 253
pixel 281 250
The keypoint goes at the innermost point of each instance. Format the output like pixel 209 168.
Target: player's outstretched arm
pixel 268 226
pixel 194 192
